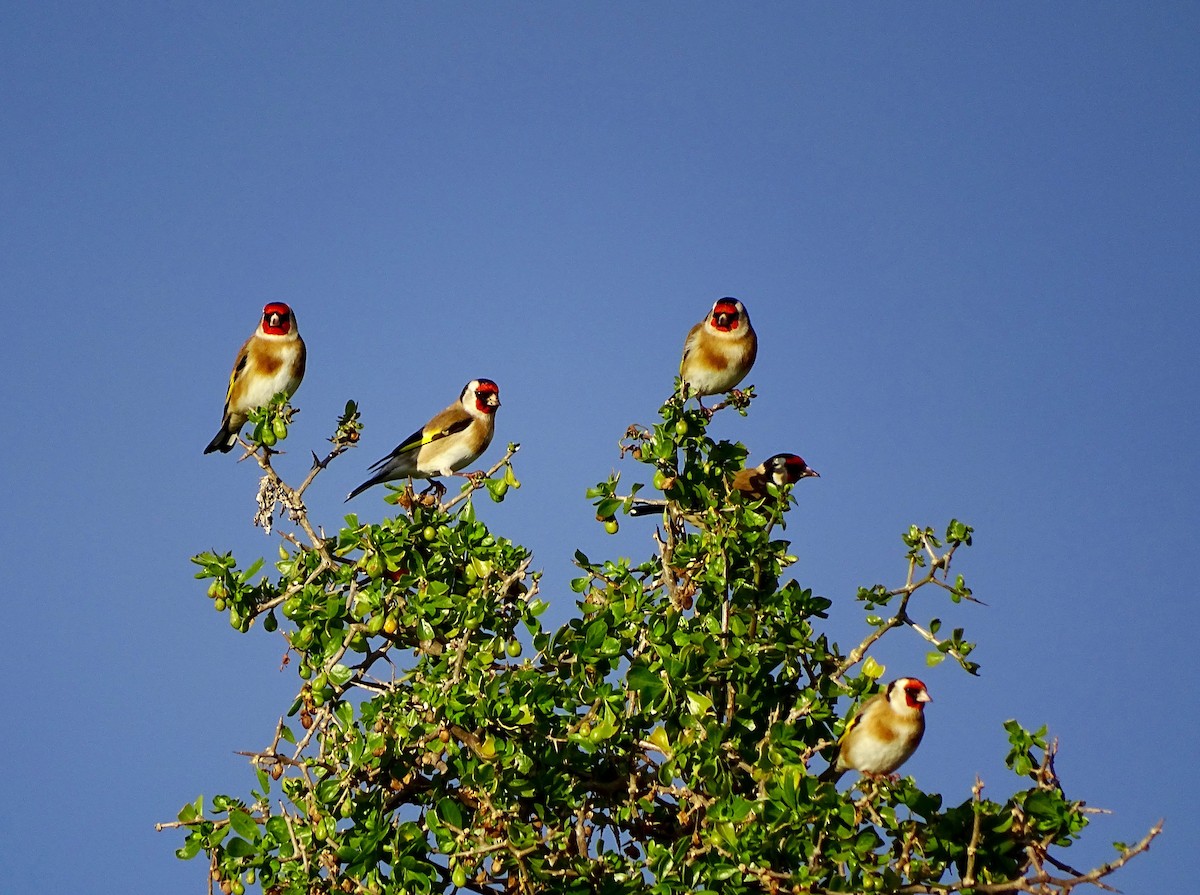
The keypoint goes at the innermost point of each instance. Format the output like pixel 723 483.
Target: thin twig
pixel 973 845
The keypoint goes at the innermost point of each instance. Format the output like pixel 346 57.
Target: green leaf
pixel 607 507
pixel 249 573
pixel 192 811
pixel 595 634
pixel 450 812
pixel 646 682
pixel 339 675
pixel 239 848
pixel 698 703
pixel 191 848
pixel 243 824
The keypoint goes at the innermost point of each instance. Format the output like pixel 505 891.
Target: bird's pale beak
pixel 924 696
pixel 810 473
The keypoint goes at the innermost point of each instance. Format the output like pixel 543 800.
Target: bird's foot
pixel 739 399
pixel 475 478
pixel 438 489
pixel 879 778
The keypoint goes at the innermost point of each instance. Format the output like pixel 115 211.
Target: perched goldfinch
pixel 777 470
pixel 445 444
pixel 719 351
pixel 884 733
pixel 271 361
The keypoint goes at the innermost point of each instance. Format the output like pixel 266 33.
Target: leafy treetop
pixel 666 739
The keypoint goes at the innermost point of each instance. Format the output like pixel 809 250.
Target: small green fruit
pixel 681 428
pixel 611 526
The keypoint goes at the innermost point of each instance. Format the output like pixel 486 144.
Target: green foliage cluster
pixel 666 739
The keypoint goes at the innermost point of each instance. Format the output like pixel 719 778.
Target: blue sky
pixel 966 234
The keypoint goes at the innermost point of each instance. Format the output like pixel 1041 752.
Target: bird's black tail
pixel 641 508
pixel 363 487
pixel 831 774
pixel 224 440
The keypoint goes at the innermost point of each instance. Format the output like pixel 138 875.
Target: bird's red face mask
pixel 725 317
pixel 277 319
pixel 915 695
pixel 487 396
pixel 797 469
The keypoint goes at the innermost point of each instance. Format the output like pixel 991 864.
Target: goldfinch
pixel 271 361
pixel 719 351
pixel 885 732
pixel 778 470
pixel 445 444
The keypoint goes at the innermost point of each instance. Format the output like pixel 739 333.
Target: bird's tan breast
pixel 714 355
pixel 271 356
